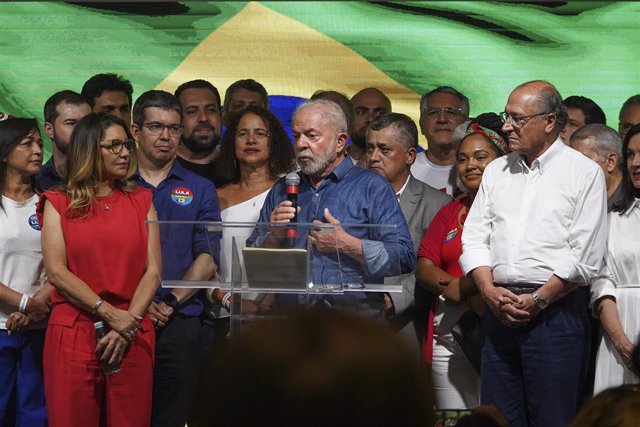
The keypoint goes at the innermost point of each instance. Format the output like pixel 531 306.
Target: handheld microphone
pixel 292 180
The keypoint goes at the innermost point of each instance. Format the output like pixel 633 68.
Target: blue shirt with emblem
pixel 184 196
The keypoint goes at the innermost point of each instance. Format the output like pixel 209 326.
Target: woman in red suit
pixel 103 261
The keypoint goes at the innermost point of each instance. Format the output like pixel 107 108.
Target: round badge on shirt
pixel 451 234
pixel 182 196
pixel 33 222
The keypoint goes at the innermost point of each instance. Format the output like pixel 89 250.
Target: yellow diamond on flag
pixel 287 57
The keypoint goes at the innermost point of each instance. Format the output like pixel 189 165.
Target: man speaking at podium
pixel 334 191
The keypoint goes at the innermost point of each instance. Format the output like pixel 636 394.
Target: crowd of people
pixel 514 246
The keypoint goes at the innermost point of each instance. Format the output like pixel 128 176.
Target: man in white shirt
pixel 534 238
pixel 441 111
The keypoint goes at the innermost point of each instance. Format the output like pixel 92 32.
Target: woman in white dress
pixel 615 294
pixel 255 151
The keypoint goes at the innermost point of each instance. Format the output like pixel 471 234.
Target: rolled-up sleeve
pixel 476 236
pixel 587 235
pixel 602 285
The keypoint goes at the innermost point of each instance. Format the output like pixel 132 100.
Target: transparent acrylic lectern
pixel 270 268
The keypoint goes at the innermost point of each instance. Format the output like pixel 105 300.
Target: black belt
pixel 519 290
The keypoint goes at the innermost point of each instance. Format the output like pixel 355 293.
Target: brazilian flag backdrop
pixel 483 49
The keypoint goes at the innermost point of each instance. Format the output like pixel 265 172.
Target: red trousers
pixel 78 393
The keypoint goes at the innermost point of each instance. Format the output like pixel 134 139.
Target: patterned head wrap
pixel 4 116
pixel 491 135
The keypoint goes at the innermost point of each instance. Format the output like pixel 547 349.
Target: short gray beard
pixel 318 164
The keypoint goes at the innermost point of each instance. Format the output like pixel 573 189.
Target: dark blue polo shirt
pixel 48 177
pixel 184 196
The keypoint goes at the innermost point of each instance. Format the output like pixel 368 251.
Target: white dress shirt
pixel 528 224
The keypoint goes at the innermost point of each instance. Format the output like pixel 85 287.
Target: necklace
pixel 105 203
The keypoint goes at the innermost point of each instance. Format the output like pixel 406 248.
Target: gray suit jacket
pixel 419 203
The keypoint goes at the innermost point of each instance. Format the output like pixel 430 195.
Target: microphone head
pixel 292 178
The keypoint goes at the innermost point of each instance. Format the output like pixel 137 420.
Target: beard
pixel 201 145
pixel 313 165
pixel 359 139
pixel 62 146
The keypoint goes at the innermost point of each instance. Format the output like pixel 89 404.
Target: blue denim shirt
pixel 353 195
pixel 184 196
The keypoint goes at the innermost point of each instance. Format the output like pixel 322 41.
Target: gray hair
pixel 606 140
pixel 406 131
pixel 549 100
pixel 451 91
pixel 330 111
pixel 459 133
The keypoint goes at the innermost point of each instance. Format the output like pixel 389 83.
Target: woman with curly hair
pixel 255 151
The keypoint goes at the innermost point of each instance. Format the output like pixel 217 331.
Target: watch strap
pixel 171 300
pixel 540 302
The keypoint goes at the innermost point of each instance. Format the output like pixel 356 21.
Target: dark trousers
pixel 535 374
pixel 21 383
pixel 176 370
pixel 215 342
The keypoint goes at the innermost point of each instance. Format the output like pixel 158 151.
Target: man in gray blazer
pixel 392 142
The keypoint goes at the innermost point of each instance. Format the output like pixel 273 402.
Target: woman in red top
pixel 103 261
pixel 456 383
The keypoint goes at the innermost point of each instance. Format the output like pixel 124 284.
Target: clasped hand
pixel 511 309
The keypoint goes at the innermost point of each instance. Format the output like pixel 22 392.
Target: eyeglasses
pixel 259 133
pixel 449 112
pixel 519 121
pixel 156 128
pixel 115 146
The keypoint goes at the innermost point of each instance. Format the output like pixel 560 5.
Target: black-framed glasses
pixel 519 121
pixel 156 128
pixel 115 146
pixel 449 112
pixel 259 133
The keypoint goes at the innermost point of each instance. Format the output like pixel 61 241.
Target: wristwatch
pixel 540 302
pixel 171 300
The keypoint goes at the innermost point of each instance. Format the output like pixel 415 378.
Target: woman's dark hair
pixel 490 121
pixel 629 192
pixel 12 131
pixel 280 148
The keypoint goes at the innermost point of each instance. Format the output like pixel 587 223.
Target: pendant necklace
pixel 105 203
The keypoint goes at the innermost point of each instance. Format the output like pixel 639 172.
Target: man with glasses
pixel 188 253
pixel 534 238
pixel 629 115
pixel 441 111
